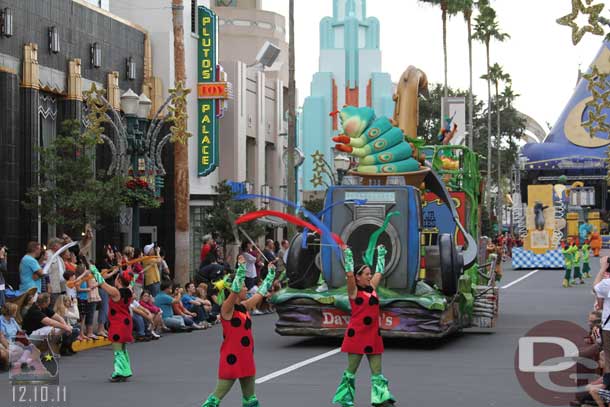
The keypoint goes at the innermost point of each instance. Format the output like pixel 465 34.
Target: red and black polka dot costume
pixel 237 350
pixel 121 324
pixel 363 336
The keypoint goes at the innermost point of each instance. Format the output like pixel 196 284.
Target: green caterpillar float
pixel 381 147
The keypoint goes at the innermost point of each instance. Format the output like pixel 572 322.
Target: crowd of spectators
pixel 59 300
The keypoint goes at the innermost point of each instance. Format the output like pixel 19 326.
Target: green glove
pixel 240 277
pixel 97 275
pixel 266 285
pixel 381 252
pixel 348 258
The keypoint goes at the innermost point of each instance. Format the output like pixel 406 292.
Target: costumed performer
pixel 576 253
pixel 120 330
pixel 568 259
pixel 586 267
pixel 363 335
pixel 237 349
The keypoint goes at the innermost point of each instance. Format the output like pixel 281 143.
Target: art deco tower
pixel 349 74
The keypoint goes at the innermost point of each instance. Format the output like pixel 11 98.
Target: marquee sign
pixel 212 92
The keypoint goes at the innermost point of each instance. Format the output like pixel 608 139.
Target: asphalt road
pixel 467 370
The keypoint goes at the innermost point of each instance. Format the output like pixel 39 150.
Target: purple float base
pixel 302 319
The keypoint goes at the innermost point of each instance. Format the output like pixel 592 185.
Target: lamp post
pixel 135 142
pixel 342 164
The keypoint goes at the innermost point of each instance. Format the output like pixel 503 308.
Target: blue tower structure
pixel 349 74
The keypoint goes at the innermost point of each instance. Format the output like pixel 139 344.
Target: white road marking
pixel 296 366
pixel 309 361
pixel 519 279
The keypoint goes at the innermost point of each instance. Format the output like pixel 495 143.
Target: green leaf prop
pixel 370 251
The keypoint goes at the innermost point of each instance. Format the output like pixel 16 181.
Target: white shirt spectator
pixel 602 289
pixel 56 274
pixel 250 265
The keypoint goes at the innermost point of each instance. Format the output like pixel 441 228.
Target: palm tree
pixel 448 8
pixel 467 8
pixel 181 166
pixel 496 76
pixel 487 28
pixel 292 131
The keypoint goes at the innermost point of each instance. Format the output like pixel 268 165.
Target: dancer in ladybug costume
pixel 120 331
pixel 237 350
pixel 363 335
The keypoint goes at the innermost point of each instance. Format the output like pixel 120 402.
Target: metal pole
pixel 291 176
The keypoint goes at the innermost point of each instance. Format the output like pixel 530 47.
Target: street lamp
pixel 136 143
pixel 342 164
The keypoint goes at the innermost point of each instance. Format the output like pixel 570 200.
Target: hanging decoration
pixel 593 11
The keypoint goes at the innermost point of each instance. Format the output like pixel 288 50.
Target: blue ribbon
pixel 356 202
pixel 327 237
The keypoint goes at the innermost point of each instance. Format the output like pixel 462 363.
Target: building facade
pixel 157 20
pixel 46 62
pixel 253 130
pixel 349 74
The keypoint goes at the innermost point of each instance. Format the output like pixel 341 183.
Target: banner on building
pixel 213 91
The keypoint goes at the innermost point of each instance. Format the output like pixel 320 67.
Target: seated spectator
pixel 142 322
pixel 192 303
pixel 164 300
pixel 146 301
pixel 67 309
pixel 4 355
pixel 212 309
pixel 41 321
pixel 595 386
pixel 190 318
pixel 8 325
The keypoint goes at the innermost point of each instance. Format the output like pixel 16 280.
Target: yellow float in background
pixel 540 242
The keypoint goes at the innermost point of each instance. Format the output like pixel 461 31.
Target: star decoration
pixel 317 156
pixel 48 357
pixel 316 181
pixel 596 123
pixel 592 11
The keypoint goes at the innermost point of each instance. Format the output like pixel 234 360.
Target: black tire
pixel 301 266
pixel 451 264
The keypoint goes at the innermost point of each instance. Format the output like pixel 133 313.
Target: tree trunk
pixel 470 95
pixel 444 10
pixel 292 134
pixel 500 197
pixel 181 167
pixel 489 174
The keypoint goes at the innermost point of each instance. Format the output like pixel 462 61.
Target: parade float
pixel 433 285
pixel 563 179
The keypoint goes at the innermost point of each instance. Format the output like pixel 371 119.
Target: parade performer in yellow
pixel 568 258
pixel 577 256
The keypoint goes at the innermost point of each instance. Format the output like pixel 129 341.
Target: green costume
pixel 568 257
pixel 122 364
pixel 346 391
pixel 575 253
pixel 586 267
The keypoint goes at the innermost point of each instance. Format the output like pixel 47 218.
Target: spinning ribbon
pixel 326 234
pixel 289 218
pixel 356 202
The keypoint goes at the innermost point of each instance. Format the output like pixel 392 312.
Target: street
pixel 466 370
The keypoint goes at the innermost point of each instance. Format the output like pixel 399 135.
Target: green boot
pixel 212 401
pixel 251 401
pixel 121 365
pixel 380 393
pixel 346 391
